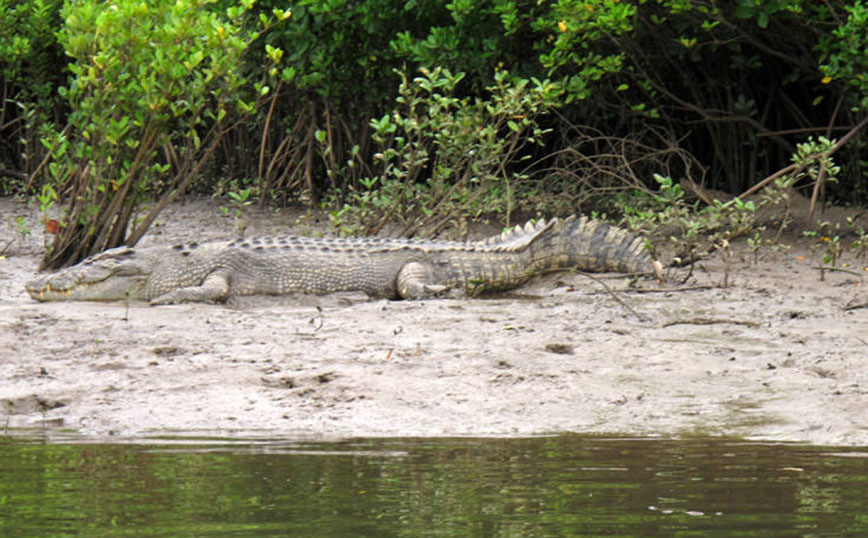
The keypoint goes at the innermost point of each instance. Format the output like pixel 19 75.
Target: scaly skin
pixel 392 268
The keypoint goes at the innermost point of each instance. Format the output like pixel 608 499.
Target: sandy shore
pixel 774 355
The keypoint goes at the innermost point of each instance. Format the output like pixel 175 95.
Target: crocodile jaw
pixel 113 275
pixel 61 288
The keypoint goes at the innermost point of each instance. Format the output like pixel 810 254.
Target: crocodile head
pixel 113 275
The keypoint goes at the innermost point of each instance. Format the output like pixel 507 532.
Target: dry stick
pixel 291 177
pixel 278 155
pixel 63 247
pixel 179 189
pixel 838 269
pixel 665 290
pixel 798 167
pixel 711 321
pixel 820 183
pixel 801 130
pixel 783 171
pixel 3 109
pixel 614 295
pixel 362 166
pixel 286 156
pixel 265 128
pixel 831 124
pixel 332 160
pixel 311 150
pixel 116 200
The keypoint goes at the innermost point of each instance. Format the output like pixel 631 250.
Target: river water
pixel 564 485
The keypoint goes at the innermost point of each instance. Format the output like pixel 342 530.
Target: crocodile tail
pixel 520 237
pixel 581 243
pixel 584 244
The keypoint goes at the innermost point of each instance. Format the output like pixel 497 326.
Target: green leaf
pixel 274 53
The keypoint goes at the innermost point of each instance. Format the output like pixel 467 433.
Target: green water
pixel 546 486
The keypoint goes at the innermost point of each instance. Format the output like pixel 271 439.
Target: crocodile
pixel 379 267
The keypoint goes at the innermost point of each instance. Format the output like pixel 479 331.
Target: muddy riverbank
pixel 776 354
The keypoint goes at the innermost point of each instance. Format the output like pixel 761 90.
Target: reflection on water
pixel 546 486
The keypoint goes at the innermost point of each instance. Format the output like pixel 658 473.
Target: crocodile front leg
pixel 214 288
pixel 416 281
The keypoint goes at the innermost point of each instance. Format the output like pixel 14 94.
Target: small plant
pixel 754 243
pixel 724 248
pixel 833 250
pixel 778 194
pixel 47 197
pixel 827 240
pixel 239 199
pixel 859 246
pixel 10 410
pixel 815 158
pixel 21 227
pixel 305 225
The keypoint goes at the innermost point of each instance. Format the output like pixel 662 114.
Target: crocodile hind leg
pixel 415 281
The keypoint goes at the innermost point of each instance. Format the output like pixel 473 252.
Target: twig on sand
pixel 666 290
pixel 712 321
pixel 855 306
pixel 838 269
pixel 703 287
pixel 614 295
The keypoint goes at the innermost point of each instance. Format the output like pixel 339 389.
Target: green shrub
pixel 845 54
pixel 147 76
pixel 154 85
pixel 581 41
pixel 446 159
pixel 335 48
pixel 473 37
pixel 31 68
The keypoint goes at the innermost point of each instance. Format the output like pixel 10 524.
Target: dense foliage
pixel 106 104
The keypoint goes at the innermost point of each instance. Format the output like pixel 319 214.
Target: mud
pixel 775 354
